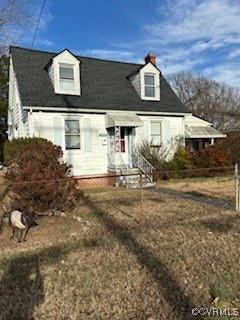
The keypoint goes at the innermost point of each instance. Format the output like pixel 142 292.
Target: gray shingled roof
pixel 104 85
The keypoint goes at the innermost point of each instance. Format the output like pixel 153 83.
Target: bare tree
pixel 15 17
pixel 208 99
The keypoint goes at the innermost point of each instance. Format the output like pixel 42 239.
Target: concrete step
pixel 133 181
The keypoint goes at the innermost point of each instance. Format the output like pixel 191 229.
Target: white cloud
pixel 107 54
pixel 169 67
pixel 195 20
pixel 225 73
pixel 234 53
pixel 46 42
pixel 198 35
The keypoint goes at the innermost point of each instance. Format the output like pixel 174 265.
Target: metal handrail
pixel 145 166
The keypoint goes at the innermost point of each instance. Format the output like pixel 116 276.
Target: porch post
pixel 117 139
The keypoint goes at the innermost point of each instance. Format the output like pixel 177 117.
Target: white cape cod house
pixel 98 111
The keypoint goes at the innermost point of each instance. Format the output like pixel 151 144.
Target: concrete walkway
pixel 198 198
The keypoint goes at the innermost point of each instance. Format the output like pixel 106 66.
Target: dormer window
pixel 146 81
pixel 66 77
pixel 64 72
pixel 149 85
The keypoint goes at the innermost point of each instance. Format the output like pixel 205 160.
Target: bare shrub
pixel 40 179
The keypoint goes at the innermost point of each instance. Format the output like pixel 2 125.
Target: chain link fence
pixel 137 201
pixel 124 245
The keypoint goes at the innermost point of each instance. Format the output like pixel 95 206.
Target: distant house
pixel 98 111
pixel 199 134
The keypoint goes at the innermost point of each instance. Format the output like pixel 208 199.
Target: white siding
pixel 138 82
pixel 84 162
pixel 25 124
pixel 94 162
pixel 18 118
pixel 51 74
pixel 42 125
pixel 135 80
pixel 172 131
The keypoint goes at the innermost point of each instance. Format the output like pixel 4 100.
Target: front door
pixel 124 144
pixel 127 144
pixel 120 146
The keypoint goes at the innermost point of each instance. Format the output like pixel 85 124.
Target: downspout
pixel 30 123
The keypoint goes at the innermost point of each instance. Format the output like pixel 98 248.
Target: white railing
pixel 145 166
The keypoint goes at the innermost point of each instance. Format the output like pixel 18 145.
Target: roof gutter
pixel 103 111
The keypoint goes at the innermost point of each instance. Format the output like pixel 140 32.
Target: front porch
pixel 122 144
pixel 124 159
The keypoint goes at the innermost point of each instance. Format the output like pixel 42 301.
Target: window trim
pixel 159 135
pixel 72 81
pixel 65 58
pixel 66 79
pixel 149 69
pixel 76 85
pixel 152 86
pixel 80 134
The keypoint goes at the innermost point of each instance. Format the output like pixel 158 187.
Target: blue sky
pixel 200 36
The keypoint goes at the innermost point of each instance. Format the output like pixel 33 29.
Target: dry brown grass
pixel 214 187
pixel 184 255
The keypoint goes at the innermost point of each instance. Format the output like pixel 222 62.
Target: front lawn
pixel 108 266
pixel 219 187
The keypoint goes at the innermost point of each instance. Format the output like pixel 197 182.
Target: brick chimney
pixel 150 58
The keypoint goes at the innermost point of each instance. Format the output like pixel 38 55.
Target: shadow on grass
pixel 180 304
pixel 198 197
pixel 221 224
pixel 117 206
pixel 21 288
pixel 125 201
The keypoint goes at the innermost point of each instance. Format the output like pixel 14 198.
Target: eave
pixel 101 111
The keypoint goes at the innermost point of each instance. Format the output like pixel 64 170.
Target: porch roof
pixel 203 132
pixel 118 119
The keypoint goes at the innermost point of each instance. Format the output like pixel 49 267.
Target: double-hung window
pixel 149 86
pixel 66 77
pixel 72 134
pixel 156 133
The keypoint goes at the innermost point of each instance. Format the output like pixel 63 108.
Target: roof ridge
pixel 76 55
pixel 30 49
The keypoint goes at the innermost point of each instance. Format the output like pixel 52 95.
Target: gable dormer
pixel 146 80
pixel 64 72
